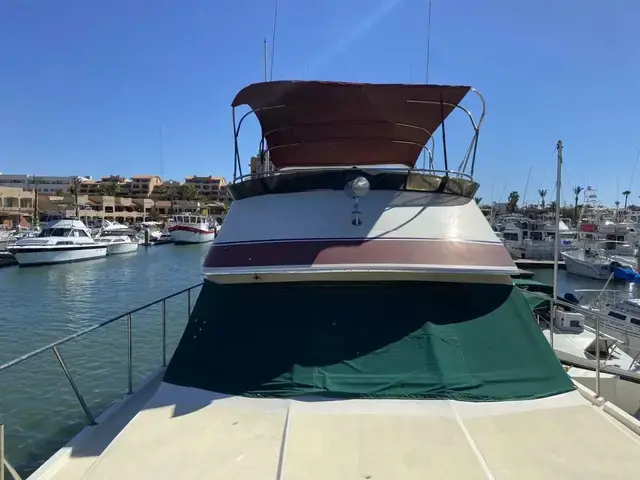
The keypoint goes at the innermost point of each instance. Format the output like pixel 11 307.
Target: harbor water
pixel 40 305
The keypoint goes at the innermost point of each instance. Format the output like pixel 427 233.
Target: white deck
pixel 189 433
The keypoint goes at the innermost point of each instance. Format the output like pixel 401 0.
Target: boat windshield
pixel 62 232
pixel 55 232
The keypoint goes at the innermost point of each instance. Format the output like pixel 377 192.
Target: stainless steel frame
pixel 587 312
pixel 425 171
pixel 56 351
pixel 469 155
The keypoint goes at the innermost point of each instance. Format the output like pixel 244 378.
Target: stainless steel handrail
pixel 576 308
pixel 376 169
pixel 91 329
pixel 4 464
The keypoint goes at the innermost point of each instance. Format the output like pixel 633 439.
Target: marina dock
pixel 526 263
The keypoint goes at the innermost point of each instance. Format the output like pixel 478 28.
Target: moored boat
pixel 192 228
pixel 118 243
pixel 357 320
pixel 61 241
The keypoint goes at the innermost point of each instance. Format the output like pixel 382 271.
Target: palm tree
pixel 74 189
pixel 512 202
pixel 576 191
pixel 626 194
pixel 478 200
pixel 186 191
pixel 35 181
pixel 542 193
pixel 109 189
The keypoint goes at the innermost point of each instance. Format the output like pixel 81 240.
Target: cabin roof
pixel 312 123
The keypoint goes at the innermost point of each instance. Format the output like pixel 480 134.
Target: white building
pixel 48 184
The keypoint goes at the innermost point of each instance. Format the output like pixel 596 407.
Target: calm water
pixel 39 305
pixel 42 304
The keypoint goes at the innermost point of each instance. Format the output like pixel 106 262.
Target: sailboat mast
pixel 266 61
pixel 556 247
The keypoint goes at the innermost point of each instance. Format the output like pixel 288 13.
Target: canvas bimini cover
pixel 309 123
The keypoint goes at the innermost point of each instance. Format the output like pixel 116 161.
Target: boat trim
pixel 376 251
pixel 54 248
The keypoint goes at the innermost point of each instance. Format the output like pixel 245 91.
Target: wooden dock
pixel 526 264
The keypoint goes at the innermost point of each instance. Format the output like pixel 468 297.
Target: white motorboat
pixel 595 263
pixel 118 242
pixel 118 238
pixel 357 321
pixel 192 228
pixel 622 315
pixel 61 241
pixel 574 342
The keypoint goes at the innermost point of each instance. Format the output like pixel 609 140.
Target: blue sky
pixel 85 86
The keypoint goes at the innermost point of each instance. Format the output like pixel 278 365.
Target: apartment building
pixel 143 185
pixel 47 184
pixel 16 206
pixel 88 186
pixel 211 188
pixel 258 165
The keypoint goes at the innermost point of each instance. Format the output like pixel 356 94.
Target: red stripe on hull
pixel 184 228
pixel 354 252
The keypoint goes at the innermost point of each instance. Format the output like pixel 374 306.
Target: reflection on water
pixel 569 282
pixel 39 305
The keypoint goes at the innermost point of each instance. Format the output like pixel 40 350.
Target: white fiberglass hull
pixel 594 270
pixel 119 248
pixel 184 236
pixel 48 255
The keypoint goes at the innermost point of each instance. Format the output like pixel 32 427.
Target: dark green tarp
pixel 534 302
pixel 475 342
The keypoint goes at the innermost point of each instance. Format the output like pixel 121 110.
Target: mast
pixel 556 247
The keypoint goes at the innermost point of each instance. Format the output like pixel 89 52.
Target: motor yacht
pixel 118 242
pixel 357 320
pixel 61 241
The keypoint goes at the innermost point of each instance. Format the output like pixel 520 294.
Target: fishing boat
pixel 357 320
pixel 596 263
pixel 61 241
pixel 192 228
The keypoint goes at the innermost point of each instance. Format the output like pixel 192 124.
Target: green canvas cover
pixel 421 340
pixel 534 302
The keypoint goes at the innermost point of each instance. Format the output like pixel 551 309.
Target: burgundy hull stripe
pixel 337 252
pixel 184 228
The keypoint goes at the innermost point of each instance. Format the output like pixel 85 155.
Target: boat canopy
pixel 312 123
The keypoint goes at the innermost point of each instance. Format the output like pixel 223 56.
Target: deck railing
pixel 5 466
pixel 602 323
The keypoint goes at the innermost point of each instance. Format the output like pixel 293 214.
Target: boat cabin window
pixel 617 315
pixel 511 236
pixel 79 233
pixel 635 321
pixel 55 232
